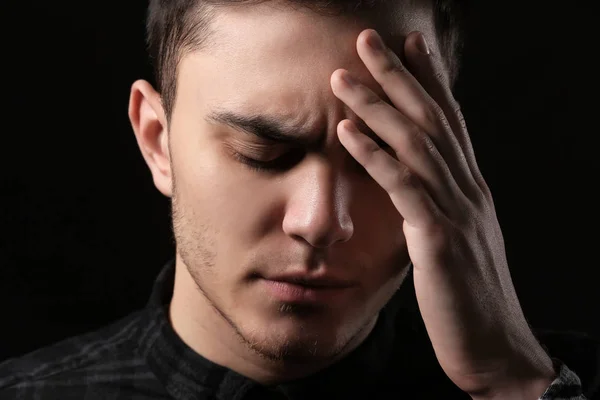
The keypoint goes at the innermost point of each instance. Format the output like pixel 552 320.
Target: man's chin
pixel 297 339
pixel 297 350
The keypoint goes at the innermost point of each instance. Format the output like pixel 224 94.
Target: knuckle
pixel 429 145
pixel 421 141
pixel 438 113
pixel 456 106
pixel 434 117
pixel 405 178
pixel 371 99
pixel 480 201
pixel 429 115
pixel 487 192
pixel 440 76
pixel 370 150
pixel 484 194
pixel 461 118
pixel 394 66
pixel 432 114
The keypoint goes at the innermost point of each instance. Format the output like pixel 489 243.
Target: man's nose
pixel 318 210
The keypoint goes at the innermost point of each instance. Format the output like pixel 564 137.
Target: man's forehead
pixel 282 22
pixel 276 62
pixel 271 42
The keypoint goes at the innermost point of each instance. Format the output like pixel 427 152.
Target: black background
pixel 83 230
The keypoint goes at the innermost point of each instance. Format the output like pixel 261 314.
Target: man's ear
pixel 150 126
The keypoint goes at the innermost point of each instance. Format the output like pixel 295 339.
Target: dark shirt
pixel 141 357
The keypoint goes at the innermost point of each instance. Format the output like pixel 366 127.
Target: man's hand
pixel 462 282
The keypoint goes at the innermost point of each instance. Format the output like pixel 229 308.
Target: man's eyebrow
pixel 263 126
pixel 273 129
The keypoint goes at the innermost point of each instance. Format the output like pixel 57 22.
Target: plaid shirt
pixel 141 357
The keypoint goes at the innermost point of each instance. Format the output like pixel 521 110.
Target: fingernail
pixel 374 40
pixel 422 44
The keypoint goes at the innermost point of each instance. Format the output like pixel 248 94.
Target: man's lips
pixel 305 289
pixel 323 281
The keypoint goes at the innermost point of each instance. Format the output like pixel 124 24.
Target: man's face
pixel 317 211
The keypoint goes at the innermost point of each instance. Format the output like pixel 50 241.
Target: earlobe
pixel 148 121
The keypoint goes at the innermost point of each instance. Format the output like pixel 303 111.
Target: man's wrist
pixel 525 385
pixel 525 390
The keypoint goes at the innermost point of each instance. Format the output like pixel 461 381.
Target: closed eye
pixel 279 164
pixel 291 158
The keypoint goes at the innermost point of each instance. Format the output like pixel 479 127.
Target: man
pixel 294 230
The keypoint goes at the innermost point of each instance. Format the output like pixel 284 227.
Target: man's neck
pixel 206 332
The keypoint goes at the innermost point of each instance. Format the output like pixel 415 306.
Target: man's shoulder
pixel 76 360
pixel 580 351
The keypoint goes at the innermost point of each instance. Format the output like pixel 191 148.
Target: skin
pixel 345 207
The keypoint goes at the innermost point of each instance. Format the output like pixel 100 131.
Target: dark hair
pixel 175 27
